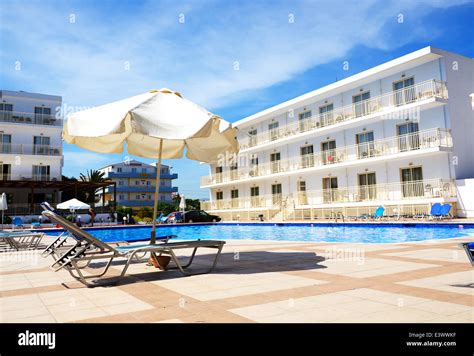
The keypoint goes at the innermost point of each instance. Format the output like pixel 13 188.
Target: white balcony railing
pixel 429 89
pixel 19 117
pixel 423 189
pixel 418 141
pixel 41 150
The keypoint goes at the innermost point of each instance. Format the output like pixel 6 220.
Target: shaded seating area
pixel 88 249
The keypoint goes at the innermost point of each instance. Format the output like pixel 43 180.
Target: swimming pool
pixel 354 233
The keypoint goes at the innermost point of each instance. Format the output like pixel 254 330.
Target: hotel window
pixel 273 130
pixel 328 152
pixel 120 197
pixel 361 104
pixel 276 194
pixel 404 91
pixel 233 171
pixel 5 171
pixel 234 194
pixel 134 170
pixel 412 182
pixel 252 137
pixel 219 195
pixel 41 145
pixel 301 189
pixel 6 112
pixel 42 115
pixel 326 115
pixel 41 172
pixel 143 170
pixel 137 182
pixel 148 182
pixel 120 182
pixel 365 144
pixel 254 199
pixel 275 162
pixel 149 197
pixel 137 197
pixel 330 191
pixel 307 156
pixel 408 137
pixel 119 169
pixel 304 121
pixel 367 186
pixel 218 174
pixel 253 172
pixel 5 143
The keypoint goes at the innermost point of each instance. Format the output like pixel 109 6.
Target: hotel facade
pixel 135 184
pixel 400 135
pixel 31 157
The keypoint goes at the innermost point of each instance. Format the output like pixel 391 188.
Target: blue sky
pixel 94 52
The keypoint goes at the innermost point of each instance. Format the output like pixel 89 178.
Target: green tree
pixel 92 176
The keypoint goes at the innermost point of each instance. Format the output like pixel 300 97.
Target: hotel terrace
pixel 397 135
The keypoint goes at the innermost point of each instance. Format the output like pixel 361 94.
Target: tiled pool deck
pixel 257 281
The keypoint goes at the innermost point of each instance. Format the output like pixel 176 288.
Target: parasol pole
pixel 157 188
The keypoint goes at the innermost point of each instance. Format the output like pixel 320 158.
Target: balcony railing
pixel 417 141
pixel 41 150
pixel 19 117
pixel 423 189
pixel 418 92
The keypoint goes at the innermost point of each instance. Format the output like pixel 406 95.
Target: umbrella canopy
pixel 73 204
pixel 158 124
pixel 182 203
pixel 143 120
pixel 3 202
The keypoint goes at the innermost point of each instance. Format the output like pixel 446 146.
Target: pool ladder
pixel 337 215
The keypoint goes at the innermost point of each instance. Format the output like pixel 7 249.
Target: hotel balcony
pixel 417 143
pixel 374 107
pixel 18 117
pixel 141 175
pixel 144 189
pixel 36 150
pixel 393 192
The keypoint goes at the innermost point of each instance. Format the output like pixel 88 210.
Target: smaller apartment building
pixel 30 148
pixel 135 184
pixel 398 135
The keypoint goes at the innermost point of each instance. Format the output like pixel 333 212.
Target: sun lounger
pixel 88 248
pixel 444 211
pixel 21 240
pixel 469 248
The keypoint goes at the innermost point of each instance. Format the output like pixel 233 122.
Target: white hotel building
pixel 30 148
pixel 400 135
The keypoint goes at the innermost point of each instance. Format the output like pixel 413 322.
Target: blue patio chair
pixel 378 214
pixel 17 223
pixel 469 248
pixel 435 211
pixel 444 211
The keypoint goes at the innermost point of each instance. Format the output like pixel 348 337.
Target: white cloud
pixel 85 61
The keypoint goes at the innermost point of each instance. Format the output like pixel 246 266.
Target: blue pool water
pixel 374 233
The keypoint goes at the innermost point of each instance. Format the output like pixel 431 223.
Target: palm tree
pixel 92 176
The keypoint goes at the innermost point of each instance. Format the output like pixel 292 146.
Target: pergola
pixel 32 185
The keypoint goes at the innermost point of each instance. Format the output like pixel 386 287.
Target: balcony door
pixel 5 171
pixel 328 152
pixel 326 115
pixel 307 156
pixel 330 189
pixel 408 137
pixel 367 186
pixel 361 104
pixel 412 182
pixel 41 173
pixel 302 197
pixel 220 200
pixel 253 172
pixel 252 137
pixel 6 112
pixel 5 143
pixel 234 194
pixel 365 144
pixel 276 194
pixel 404 91
pixel 234 171
pixel 218 174
pixel 41 145
pixel 42 115
pixel 304 121
pixel 273 131
pixel 275 162
pixel 254 197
